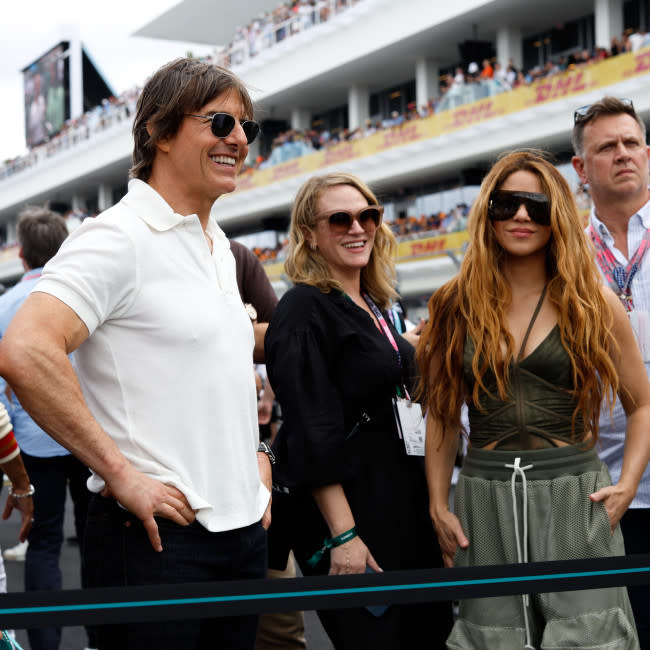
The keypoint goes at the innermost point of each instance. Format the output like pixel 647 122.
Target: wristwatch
pixel 250 310
pixel 265 449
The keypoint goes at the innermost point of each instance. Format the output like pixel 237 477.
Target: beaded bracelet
pixel 29 493
pixel 331 542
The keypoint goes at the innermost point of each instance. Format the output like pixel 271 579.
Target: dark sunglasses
pixel 503 205
pixel 222 125
pixel 340 221
pixel 581 112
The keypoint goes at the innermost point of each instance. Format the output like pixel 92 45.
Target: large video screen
pixel 47 95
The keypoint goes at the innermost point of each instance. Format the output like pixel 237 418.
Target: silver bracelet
pixel 31 492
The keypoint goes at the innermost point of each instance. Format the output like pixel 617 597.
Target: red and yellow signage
pixel 571 82
pixel 427 247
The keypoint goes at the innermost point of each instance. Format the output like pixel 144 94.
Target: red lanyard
pixel 389 335
pixel 31 275
pixel 619 278
pixel 384 325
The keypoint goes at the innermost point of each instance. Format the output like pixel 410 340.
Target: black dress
pixel 330 366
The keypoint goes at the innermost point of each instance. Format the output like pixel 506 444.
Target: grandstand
pixel 367 86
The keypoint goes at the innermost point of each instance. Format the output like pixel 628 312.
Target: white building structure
pixel 368 59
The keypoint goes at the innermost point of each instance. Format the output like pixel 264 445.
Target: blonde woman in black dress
pixel 336 363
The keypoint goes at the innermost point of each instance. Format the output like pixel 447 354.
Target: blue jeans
pixel 51 477
pixel 119 553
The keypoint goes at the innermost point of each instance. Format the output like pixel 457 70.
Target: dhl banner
pixel 571 82
pixel 428 247
pixel 410 250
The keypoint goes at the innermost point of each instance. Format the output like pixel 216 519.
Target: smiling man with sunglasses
pixel 611 157
pixel 164 409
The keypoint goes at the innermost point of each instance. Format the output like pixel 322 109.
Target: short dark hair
pixel 41 232
pixel 182 86
pixel 605 107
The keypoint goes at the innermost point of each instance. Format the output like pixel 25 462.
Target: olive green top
pixel 540 403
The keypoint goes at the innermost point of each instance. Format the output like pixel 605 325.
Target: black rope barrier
pixel 208 599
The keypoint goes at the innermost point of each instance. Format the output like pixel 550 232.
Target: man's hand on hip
pixel 146 497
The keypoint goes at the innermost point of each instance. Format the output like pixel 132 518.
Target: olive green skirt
pixel 552 489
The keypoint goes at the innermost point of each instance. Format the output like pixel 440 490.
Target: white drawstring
pixel 522 554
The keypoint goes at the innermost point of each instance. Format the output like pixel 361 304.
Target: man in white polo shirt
pixel 164 410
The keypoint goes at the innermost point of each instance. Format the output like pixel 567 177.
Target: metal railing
pixel 265 33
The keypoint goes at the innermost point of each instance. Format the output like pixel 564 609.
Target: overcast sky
pixel 29 28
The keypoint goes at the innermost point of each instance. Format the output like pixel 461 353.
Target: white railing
pixel 248 43
pixel 263 34
pixel 101 118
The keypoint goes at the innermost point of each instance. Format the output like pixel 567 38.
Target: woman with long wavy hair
pixel 529 340
pixel 336 362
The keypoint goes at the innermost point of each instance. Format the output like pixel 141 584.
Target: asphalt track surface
pixel 74 638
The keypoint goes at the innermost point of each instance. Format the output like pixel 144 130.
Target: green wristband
pixel 331 542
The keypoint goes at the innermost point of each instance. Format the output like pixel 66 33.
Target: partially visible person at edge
pixel 260 301
pixel 52 469
pixel 611 156
pixel 164 412
pixel 526 336
pixel 21 491
pixel 336 364
pixel 284 630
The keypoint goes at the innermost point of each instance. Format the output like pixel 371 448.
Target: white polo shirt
pixel 167 370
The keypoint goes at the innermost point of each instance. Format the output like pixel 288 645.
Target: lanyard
pixel 396 315
pixel 619 278
pixel 389 335
pixel 31 275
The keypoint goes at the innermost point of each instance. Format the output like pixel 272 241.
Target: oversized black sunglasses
pixel 340 221
pixel 222 125
pixel 503 205
pixel 581 112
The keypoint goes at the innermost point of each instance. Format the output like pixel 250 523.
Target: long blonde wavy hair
pixel 306 266
pixel 473 304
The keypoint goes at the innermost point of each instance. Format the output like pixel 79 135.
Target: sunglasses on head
pixel 340 221
pixel 503 205
pixel 581 112
pixel 222 125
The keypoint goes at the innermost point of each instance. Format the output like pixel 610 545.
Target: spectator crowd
pixel 294 143
pixel 288 19
pixel 292 17
pixel 112 111
pixel 272 27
